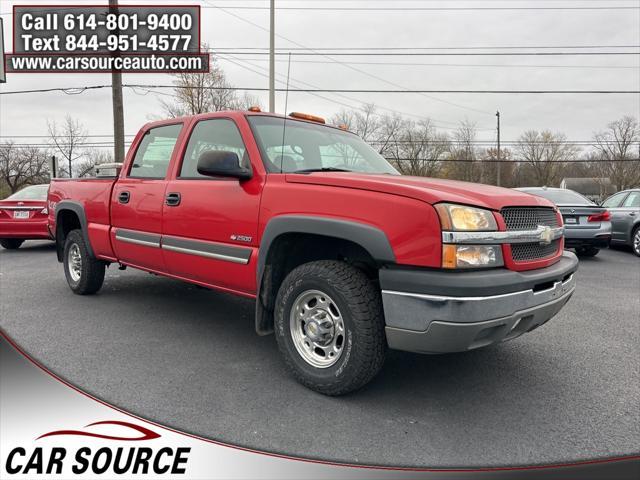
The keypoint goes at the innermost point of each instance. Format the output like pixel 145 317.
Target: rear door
pixel 618 219
pixel 210 224
pixel 136 203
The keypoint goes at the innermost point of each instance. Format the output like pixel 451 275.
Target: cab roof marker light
pixel 254 108
pixel 306 116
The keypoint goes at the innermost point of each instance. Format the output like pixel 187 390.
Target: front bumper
pixel 440 312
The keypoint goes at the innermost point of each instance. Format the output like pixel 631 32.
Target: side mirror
pixel 220 163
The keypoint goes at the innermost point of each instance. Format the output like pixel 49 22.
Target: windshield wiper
pixel 323 169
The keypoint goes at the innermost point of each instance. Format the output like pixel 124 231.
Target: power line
pixel 424 54
pixel 410 64
pixel 78 90
pixel 426 9
pixel 474 47
pixel 373 142
pixel 359 107
pixel 346 65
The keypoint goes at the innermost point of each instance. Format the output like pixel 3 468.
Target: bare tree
pixel 68 140
pixel 363 122
pixel 419 149
pixel 464 155
pixel 85 166
pixel 543 154
pixel 204 92
pixel 616 148
pixel 20 166
pixel 508 168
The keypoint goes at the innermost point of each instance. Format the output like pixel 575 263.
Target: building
pixel 595 188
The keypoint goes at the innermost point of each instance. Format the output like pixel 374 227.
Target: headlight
pixel 471 256
pixel 462 218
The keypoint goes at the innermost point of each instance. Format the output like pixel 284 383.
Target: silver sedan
pixel 625 218
pixel 587 225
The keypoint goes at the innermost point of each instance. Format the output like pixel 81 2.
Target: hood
pixel 430 190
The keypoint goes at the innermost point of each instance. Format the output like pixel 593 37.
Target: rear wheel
pixel 329 327
pixel 11 243
pixel 85 273
pixel 587 251
pixel 635 245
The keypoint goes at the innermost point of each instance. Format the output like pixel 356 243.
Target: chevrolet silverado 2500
pixel 343 256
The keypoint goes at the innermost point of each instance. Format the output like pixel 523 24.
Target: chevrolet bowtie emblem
pixel 546 235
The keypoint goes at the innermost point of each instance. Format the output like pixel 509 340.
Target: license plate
pixel 570 220
pixel 21 214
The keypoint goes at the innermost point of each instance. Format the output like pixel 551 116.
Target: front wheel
pixel 85 273
pixel 587 251
pixel 11 243
pixel 329 326
pixel 636 241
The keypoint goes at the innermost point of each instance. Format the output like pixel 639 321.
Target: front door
pixel 613 204
pixel 137 200
pixel 210 224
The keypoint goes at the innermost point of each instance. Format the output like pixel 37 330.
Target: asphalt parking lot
pixel 188 358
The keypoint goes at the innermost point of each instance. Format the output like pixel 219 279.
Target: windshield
pixel 313 147
pixel 560 196
pixel 35 192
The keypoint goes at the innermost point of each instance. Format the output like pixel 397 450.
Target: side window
pixel 633 200
pixel 615 201
pixel 154 153
pixel 215 134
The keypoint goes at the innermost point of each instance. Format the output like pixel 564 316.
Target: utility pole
pixel 118 109
pixel 272 63
pixel 498 154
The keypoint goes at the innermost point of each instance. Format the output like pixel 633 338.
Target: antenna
pixel 284 122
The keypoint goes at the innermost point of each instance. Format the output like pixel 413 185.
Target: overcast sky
pixel 578 116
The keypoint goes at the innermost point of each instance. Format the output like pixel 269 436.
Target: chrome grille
pixel 522 252
pixel 528 218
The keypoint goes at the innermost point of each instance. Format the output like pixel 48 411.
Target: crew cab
pixel 343 256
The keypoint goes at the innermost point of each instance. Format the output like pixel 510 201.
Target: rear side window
pixel 217 134
pixel 154 153
pixel 633 200
pixel 615 201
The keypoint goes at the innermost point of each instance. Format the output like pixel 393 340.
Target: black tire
pixel 90 277
pixel 635 241
pixel 359 303
pixel 11 243
pixel 587 251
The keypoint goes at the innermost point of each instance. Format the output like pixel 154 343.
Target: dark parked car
pixel 625 218
pixel 587 226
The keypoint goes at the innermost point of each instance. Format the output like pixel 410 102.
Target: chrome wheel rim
pixel 317 328
pixel 636 242
pixel 74 261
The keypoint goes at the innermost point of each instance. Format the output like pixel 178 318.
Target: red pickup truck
pixel 343 256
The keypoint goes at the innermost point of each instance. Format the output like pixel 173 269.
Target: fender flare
pixel 371 238
pixel 78 209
